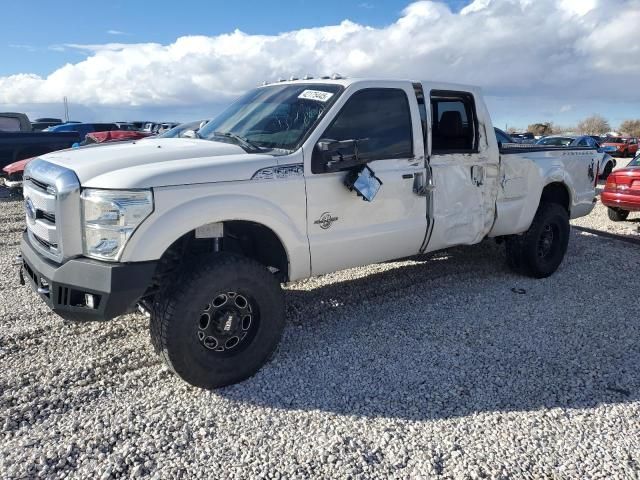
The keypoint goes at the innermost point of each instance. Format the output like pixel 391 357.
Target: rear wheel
pixel 608 168
pixel 221 322
pixel 540 250
pixel 617 214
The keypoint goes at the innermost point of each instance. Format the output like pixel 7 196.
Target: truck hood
pixel 159 162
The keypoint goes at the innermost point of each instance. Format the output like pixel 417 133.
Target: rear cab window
pixel 9 124
pixel 455 123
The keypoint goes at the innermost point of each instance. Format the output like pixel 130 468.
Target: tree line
pixel 593 125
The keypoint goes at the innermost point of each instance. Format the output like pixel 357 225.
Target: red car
pixel 622 191
pixel 12 173
pixel 115 136
pixel 625 147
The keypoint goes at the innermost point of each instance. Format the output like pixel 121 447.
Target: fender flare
pixel 164 226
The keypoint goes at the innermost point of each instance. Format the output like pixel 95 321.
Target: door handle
pixel 420 188
pixel 477 175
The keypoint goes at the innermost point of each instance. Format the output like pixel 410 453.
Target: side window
pixel 583 143
pixel 381 118
pixel 454 123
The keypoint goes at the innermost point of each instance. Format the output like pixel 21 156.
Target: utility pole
pixel 66 110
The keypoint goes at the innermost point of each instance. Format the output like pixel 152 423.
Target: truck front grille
pixel 51 197
pixel 40 208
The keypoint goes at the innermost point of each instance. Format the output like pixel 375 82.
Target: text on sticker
pixel 317 95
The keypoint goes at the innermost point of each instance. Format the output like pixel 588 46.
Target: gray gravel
pixel 443 365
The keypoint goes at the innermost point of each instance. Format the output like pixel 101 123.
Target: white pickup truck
pixel 294 179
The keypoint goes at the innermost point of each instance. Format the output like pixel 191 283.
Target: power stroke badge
pixel 325 221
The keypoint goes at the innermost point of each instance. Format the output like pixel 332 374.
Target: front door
pixel 345 230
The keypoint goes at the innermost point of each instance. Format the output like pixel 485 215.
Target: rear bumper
pixel 620 200
pixel 116 287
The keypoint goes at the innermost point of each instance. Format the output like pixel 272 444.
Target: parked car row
pixel 19 143
pixel 607 162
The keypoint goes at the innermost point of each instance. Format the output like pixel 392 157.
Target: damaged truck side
pixel 294 179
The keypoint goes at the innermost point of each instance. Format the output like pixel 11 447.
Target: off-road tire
pixel 617 214
pixel 524 251
pixel 175 316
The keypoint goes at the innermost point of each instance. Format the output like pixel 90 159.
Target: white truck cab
pixel 294 179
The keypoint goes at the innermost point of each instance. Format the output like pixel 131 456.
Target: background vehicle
pixel 621 193
pixel 115 136
pixel 525 137
pixel 83 128
pixel 16 146
pixel 294 179
pixel 14 122
pixel 503 137
pixel 184 129
pixel 40 124
pixel 13 173
pixel 624 147
pixel 127 126
pixel 607 162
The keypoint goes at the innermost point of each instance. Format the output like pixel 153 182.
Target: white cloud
pixel 565 50
pixel 116 32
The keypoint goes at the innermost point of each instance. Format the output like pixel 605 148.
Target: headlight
pixel 109 218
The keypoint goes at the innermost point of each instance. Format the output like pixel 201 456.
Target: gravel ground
pixel 445 365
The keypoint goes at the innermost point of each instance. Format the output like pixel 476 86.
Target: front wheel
pixel 220 322
pixel 617 214
pixel 540 250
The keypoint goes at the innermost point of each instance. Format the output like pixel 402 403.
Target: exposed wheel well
pixel 249 239
pixel 556 193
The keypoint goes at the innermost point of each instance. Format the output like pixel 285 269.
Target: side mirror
pixel 364 182
pixel 337 155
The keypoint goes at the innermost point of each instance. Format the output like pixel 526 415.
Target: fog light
pixel 90 300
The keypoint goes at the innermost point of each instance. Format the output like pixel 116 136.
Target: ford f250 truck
pixel 294 179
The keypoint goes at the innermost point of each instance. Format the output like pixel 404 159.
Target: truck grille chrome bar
pixel 50 192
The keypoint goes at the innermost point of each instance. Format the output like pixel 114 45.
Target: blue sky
pixel 542 60
pixel 59 22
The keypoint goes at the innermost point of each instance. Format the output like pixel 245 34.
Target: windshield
pixel 635 162
pixel 556 141
pixel 276 116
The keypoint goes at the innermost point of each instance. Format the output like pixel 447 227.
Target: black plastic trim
pixel 117 286
pixel 526 148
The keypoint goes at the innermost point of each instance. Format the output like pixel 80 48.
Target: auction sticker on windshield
pixel 317 95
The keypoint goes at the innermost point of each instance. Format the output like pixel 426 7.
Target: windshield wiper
pixel 242 141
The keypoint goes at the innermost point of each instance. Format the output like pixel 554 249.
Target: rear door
pixel 344 230
pixel 464 164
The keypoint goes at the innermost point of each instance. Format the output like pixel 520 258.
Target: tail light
pixel 619 182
